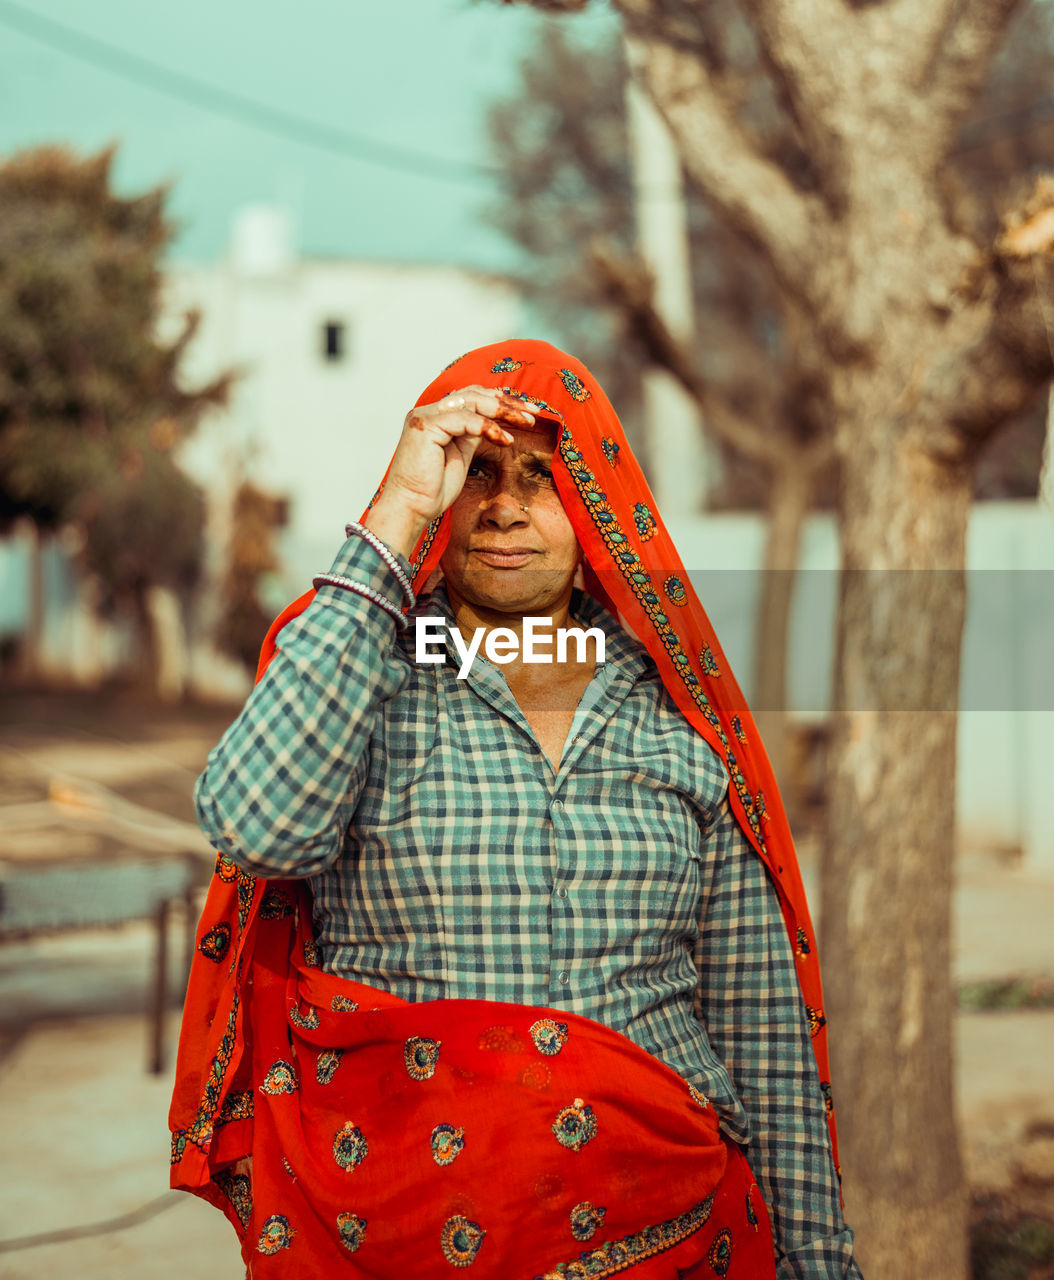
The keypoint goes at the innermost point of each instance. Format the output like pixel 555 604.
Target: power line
pixel 200 93
pixel 286 124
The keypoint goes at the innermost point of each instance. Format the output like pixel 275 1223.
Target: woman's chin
pixel 514 591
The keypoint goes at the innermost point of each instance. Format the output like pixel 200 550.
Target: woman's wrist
pixel 395 526
pixel 397 564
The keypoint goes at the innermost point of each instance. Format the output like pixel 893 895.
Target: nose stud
pixel 525 508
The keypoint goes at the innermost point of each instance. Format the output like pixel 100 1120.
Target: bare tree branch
pixel 1003 374
pixel 630 286
pixel 1029 231
pixel 999 351
pixel 958 58
pixel 753 193
pixel 802 42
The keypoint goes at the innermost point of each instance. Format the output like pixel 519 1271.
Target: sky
pixel 408 80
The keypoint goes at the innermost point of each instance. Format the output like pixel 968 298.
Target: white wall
pixel 1006 730
pixel 322 432
pixel 1006 726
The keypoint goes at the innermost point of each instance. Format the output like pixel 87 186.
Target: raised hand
pixel 432 459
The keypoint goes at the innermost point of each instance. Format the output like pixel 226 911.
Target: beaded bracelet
pixel 387 555
pixel 361 589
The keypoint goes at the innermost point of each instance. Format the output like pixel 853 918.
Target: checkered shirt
pixel 448 859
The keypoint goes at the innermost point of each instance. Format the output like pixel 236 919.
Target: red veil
pixel 254 940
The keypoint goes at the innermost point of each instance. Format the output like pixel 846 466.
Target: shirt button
pixel 561 892
pixel 563 977
pixel 557 806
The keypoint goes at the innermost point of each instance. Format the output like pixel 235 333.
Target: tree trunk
pixel 166 621
pixel 886 910
pixel 86 656
pixel 31 650
pixel 145 658
pixel 788 503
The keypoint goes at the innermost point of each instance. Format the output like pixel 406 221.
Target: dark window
pixel 333 340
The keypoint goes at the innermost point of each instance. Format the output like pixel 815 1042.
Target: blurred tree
pixel 135 514
pixel 559 140
pixel 251 554
pixel 567 201
pixel 91 404
pixel 917 311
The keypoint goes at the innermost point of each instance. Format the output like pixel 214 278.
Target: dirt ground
pixel 87 1193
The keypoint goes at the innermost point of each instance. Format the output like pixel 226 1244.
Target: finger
pixel 463 396
pixel 476 427
pixel 490 402
pixel 458 423
pixel 514 411
pixel 502 393
pixel 496 432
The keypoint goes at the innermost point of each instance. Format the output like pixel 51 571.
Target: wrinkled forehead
pixel 541 438
pixel 537 441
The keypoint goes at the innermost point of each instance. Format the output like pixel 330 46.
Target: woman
pixel 551 1005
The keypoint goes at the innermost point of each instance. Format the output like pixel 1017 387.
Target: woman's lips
pixel 512 559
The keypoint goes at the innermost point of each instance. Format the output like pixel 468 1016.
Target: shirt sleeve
pixel 279 788
pixel 751 1004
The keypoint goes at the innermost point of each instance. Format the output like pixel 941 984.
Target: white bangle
pixel 361 589
pixel 387 555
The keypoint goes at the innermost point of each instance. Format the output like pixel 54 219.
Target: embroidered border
pixel 637 577
pixel 426 546
pixel 613 1256
pixel 246 888
pixel 200 1132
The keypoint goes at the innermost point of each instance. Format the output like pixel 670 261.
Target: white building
pixel 331 354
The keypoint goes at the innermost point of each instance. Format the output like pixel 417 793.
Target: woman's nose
pixel 507 499
pixel 511 491
pixel 504 507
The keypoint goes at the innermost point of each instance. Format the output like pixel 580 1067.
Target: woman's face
pixel 500 557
